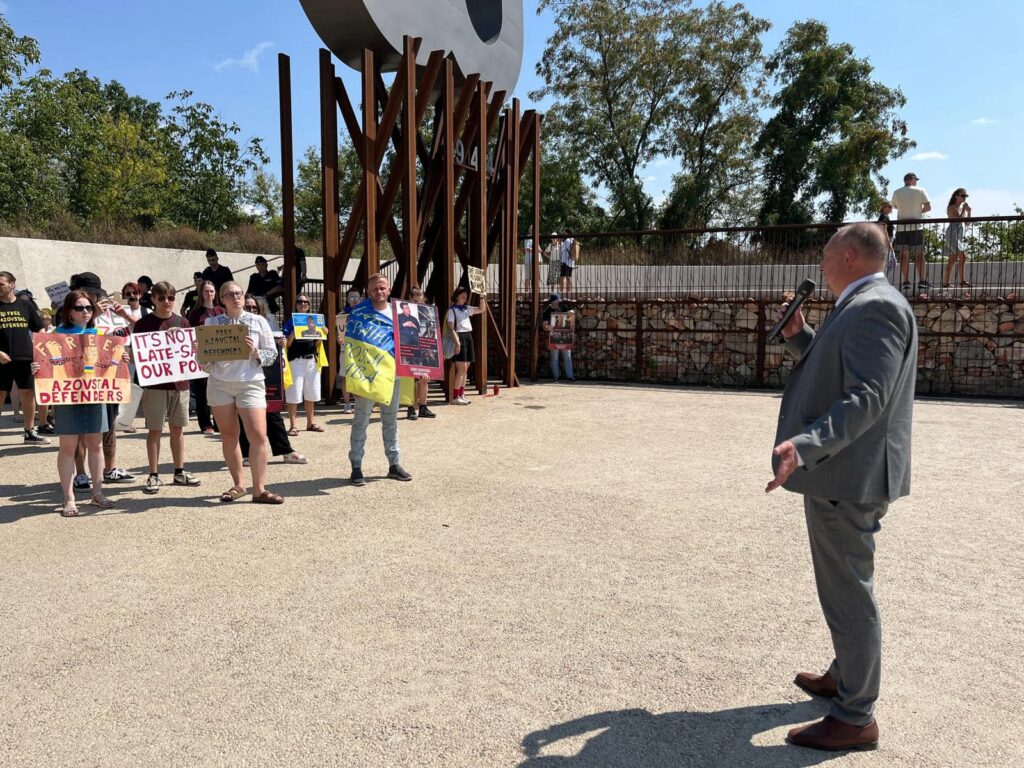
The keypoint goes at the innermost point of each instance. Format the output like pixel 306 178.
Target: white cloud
pixel 929 156
pixel 250 61
pixel 983 121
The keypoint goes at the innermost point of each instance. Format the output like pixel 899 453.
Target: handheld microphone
pixel 806 289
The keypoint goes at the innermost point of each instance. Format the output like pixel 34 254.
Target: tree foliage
pixel 833 130
pixel 567 201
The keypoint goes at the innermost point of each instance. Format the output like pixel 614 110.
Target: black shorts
pixel 913 238
pixel 17 372
pixel 567 270
pixel 466 354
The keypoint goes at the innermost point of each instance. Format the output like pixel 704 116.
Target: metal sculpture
pixel 484 37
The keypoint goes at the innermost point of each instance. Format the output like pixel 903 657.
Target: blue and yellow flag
pixel 370 353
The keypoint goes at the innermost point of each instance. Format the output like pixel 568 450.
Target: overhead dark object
pixel 485 37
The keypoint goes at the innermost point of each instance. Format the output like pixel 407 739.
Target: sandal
pixel 233 494
pixel 294 458
pixel 268 497
pixel 102 502
pixel 70 509
pixel 293 432
pixel 314 428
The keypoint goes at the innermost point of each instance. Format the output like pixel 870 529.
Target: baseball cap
pixel 196 275
pixel 908 176
pixel 554 297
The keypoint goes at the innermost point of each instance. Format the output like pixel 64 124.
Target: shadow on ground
pixel 631 738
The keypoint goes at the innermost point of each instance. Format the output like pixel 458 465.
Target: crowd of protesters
pixel 231 401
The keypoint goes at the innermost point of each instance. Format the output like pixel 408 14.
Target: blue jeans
pixel 566 363
pixel 388 423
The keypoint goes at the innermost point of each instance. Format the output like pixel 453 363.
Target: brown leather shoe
pixel 835 735
pixel 817 685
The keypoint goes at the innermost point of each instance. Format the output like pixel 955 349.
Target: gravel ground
pixel 583 576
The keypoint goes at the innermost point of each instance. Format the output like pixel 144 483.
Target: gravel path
pixel 582 576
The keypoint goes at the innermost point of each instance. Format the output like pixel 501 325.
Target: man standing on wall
pixel 843 442
pixel 911 203
pixel 18 321
pixel 570 252
pixel 214 272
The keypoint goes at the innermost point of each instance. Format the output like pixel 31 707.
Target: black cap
pixel 261 260
pixel 196 275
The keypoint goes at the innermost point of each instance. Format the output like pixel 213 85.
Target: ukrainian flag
pixel 370 354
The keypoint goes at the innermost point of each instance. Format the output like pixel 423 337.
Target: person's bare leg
pixel 80 455
pixel 905 266
pixel 255 422
pixel 94 450
pixel 66 467
pixel 947 273
pixel 310 407
pixel 110 448
pixel 28 407
pixel 153 449
pixel 178 446
pixel 922 266
pixel 293 414
pixel 227 420
pixel 962 266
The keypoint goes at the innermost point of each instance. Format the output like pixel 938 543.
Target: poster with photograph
pixel 309 326
pixel 165 356
pixel 563 330
pixel 76 369
pixel 417 340
pixel 273 381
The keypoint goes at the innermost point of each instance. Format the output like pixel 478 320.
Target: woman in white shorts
pixel 236 390
pixel 303 359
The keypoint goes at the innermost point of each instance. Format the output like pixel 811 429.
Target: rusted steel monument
pixel 454 64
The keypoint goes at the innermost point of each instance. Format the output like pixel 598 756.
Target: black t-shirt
pixel 17 322
pixel 191 302
pixel 260 285
pixel 889 228
pixel 218 276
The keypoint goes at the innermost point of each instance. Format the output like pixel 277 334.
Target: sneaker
pixel 426 413
pixel 208 431
pixel 395 472
pixel 46 429
pixel 347 408
pixel 153 484
pixel 905 286
pixel 924 285
pixel 461 401
pixel 356 478
pixel 32 437
pixel 82 482
pixel 117 475
pixel 412 414
pixel 571 380
pixel 186 478
pixel 245 462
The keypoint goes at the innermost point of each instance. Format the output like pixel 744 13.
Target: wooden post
pixel 535 319
pixel 446 259
pixel 329 210
pixel 410 212
pixel 511 294
pixel 284 76
pixel 478 232
pixel 371 255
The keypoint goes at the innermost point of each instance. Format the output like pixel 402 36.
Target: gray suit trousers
pixel 842 536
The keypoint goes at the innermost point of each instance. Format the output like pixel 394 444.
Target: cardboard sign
pixel 309 326
pixel 417 340
pixel 477 281
pixel 58 292
pixel 163 357
pixel 222 343
pixel 77 369
pixel 563 330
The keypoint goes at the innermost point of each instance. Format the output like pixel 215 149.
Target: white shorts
pixel 305 381
pixel 241 394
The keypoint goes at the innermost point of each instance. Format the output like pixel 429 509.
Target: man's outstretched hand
pixel 788 462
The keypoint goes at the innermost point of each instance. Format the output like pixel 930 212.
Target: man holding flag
pixel 370 376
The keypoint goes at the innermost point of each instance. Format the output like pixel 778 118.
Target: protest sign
pixel 76 369
pixel 309 326
pixel 417 340
pixel 370 354
pixel 273 382
pixel 58 292
pixel 477 281
pixel 222 343
pixel 109 323
pixel 563 330
pixel 162 357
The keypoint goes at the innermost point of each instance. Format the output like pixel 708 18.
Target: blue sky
pixel 959 65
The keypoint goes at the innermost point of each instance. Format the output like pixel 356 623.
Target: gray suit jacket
pixel 849 401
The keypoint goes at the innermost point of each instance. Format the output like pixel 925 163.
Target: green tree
pixel 208 167
pixel 567 201
pixel 717 122
pixel 833 130
pixel 16 54
pixel 263 197
pixel 308 182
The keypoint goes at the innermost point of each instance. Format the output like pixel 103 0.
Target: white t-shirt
pixel 458 317
pixel 567 258
pixel 908 202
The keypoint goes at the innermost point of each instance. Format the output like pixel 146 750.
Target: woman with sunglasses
pixel 207 307
pixel 88 421
pixel 954 247
pixel 236 390
pixel 304 359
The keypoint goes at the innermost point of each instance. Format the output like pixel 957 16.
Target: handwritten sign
pixel 563 330
pixel 222 343
pixel 58 292
pixel 109 323
pixel 309 326
pixel 477 281
pixel 163 357
pixel 76 369
pixel 417 340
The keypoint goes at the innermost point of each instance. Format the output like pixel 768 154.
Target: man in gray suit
pixel 843 441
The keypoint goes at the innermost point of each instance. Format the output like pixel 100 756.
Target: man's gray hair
pixel 867 238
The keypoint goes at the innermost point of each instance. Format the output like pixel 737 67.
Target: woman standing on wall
pixel 954 247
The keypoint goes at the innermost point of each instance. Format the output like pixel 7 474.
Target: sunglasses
pixel 131 295
pixel 164 298
pixel 83 308
pixel 302 301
